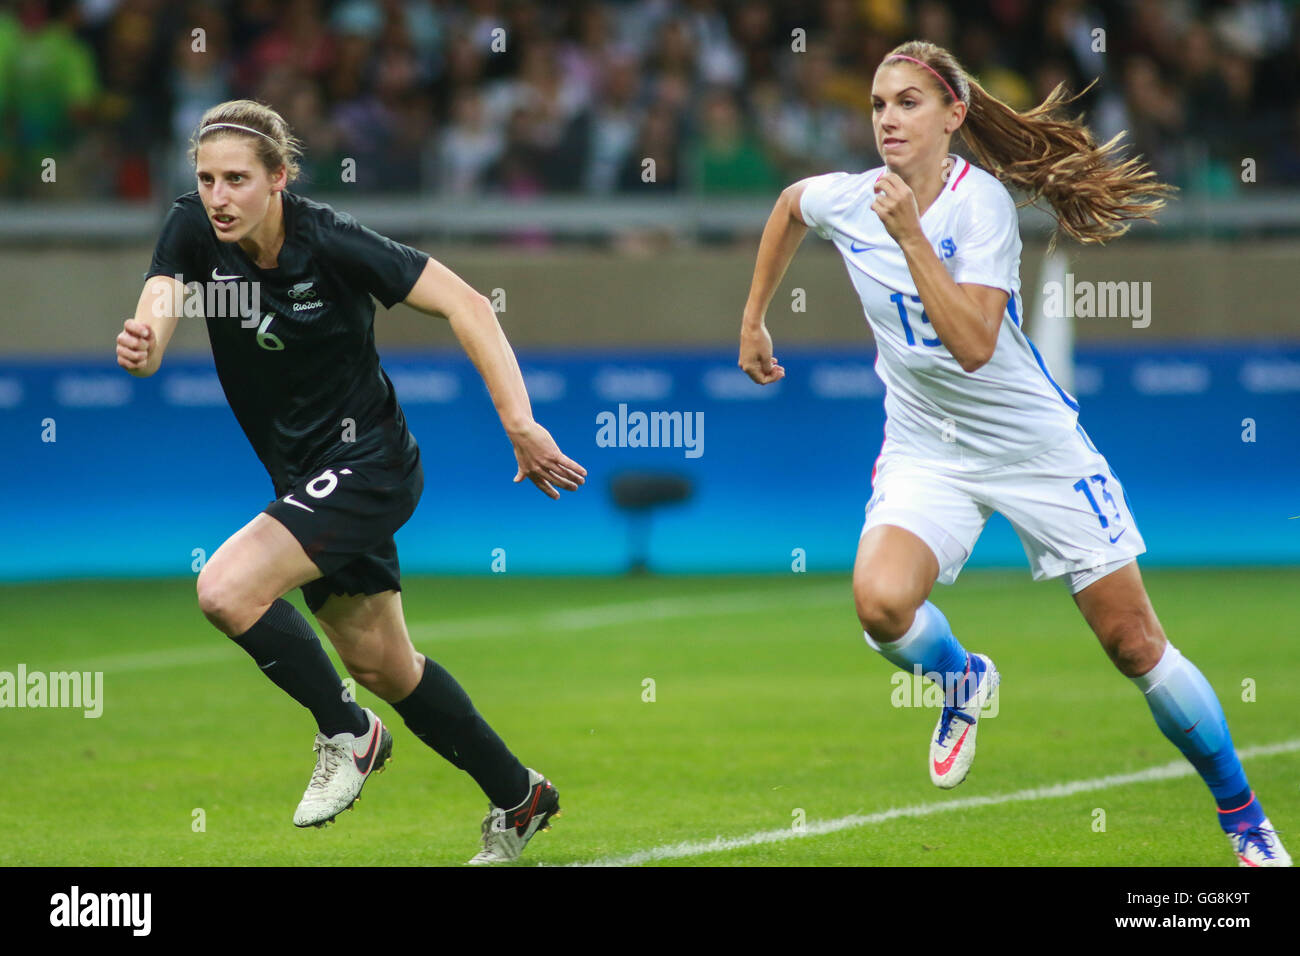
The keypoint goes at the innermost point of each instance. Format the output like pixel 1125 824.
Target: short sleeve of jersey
pixel 173 255
pixel 817 202
pixel 988 242
pixel 386 269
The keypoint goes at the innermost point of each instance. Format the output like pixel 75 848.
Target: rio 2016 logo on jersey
pixel 947 248
pixel 304 290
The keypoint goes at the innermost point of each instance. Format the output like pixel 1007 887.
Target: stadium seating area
pixel 524 98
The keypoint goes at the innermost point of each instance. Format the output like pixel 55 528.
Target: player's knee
pixel 883 609
pixel 222 604
pixel 380 676
pixel 368 677
pixel 212 595
pixel 380 682
pixel 1134 643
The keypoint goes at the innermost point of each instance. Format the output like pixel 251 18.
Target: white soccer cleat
pixel 343 762
pixel 952 748
pixel 1259 846
pixel 507 832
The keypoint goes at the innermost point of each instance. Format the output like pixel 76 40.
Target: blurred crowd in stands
pixel 520 98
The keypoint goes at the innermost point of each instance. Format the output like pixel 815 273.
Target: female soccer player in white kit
pixel 974 421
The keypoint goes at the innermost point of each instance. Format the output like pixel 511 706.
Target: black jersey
pixel 299 367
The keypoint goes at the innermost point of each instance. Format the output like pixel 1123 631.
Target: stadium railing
pixel 1264 213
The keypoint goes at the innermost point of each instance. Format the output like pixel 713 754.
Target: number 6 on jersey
pixel 268 340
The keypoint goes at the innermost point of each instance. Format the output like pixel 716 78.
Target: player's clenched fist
pixel 756 358
pixel 895 204
pixel 135 343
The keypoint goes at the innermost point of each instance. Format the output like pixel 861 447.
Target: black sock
pixel 439 712
pixel 288 651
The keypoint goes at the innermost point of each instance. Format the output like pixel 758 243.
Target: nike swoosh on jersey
pixel 298 504
pixel 853 247
pixel 942 768
pixel 1188 730
pixel 223 278
pixel 1118 536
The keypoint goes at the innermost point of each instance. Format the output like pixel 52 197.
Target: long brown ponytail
pixel 1092 192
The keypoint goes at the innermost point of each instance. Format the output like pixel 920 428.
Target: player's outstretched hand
pixel 135 343
pixel 542 462
pixel 756 356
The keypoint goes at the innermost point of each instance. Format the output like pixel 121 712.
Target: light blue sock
pixel 930 643
pixel 1188 712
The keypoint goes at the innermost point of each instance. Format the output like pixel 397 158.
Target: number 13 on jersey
pixel 899 300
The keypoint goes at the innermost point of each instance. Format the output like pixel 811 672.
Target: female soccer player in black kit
pixel 303 378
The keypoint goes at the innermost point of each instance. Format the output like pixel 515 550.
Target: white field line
pixel 598 616
pixel 1169 771
pixel 214 651
pixel 593 617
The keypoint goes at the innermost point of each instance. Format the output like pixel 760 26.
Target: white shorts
pixel 1066 505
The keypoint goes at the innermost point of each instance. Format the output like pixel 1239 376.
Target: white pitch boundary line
pixel 597 616
pixel 1169 771
pixel 760 599
pixel 592 617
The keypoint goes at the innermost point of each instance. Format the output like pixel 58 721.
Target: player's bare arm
pixel 784 231
pixel 439 291
pixel 144 338
pixel 966 317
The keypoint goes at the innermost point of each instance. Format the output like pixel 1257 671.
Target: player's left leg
pixel 1185 707
pixel 369 632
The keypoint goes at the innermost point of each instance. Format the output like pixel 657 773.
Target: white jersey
pixel 1008 410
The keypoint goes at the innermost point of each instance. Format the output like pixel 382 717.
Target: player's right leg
pixel 256 565
pixel 892 578
pixel 893 575
pixel 920 528
pixel 239 591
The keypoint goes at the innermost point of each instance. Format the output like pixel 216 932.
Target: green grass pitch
pixel 767 708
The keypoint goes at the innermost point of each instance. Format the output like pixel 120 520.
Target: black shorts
pixel 344 517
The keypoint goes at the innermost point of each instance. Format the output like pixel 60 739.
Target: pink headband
pixel 900 56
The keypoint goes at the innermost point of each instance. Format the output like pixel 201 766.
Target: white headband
pixel 246 129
